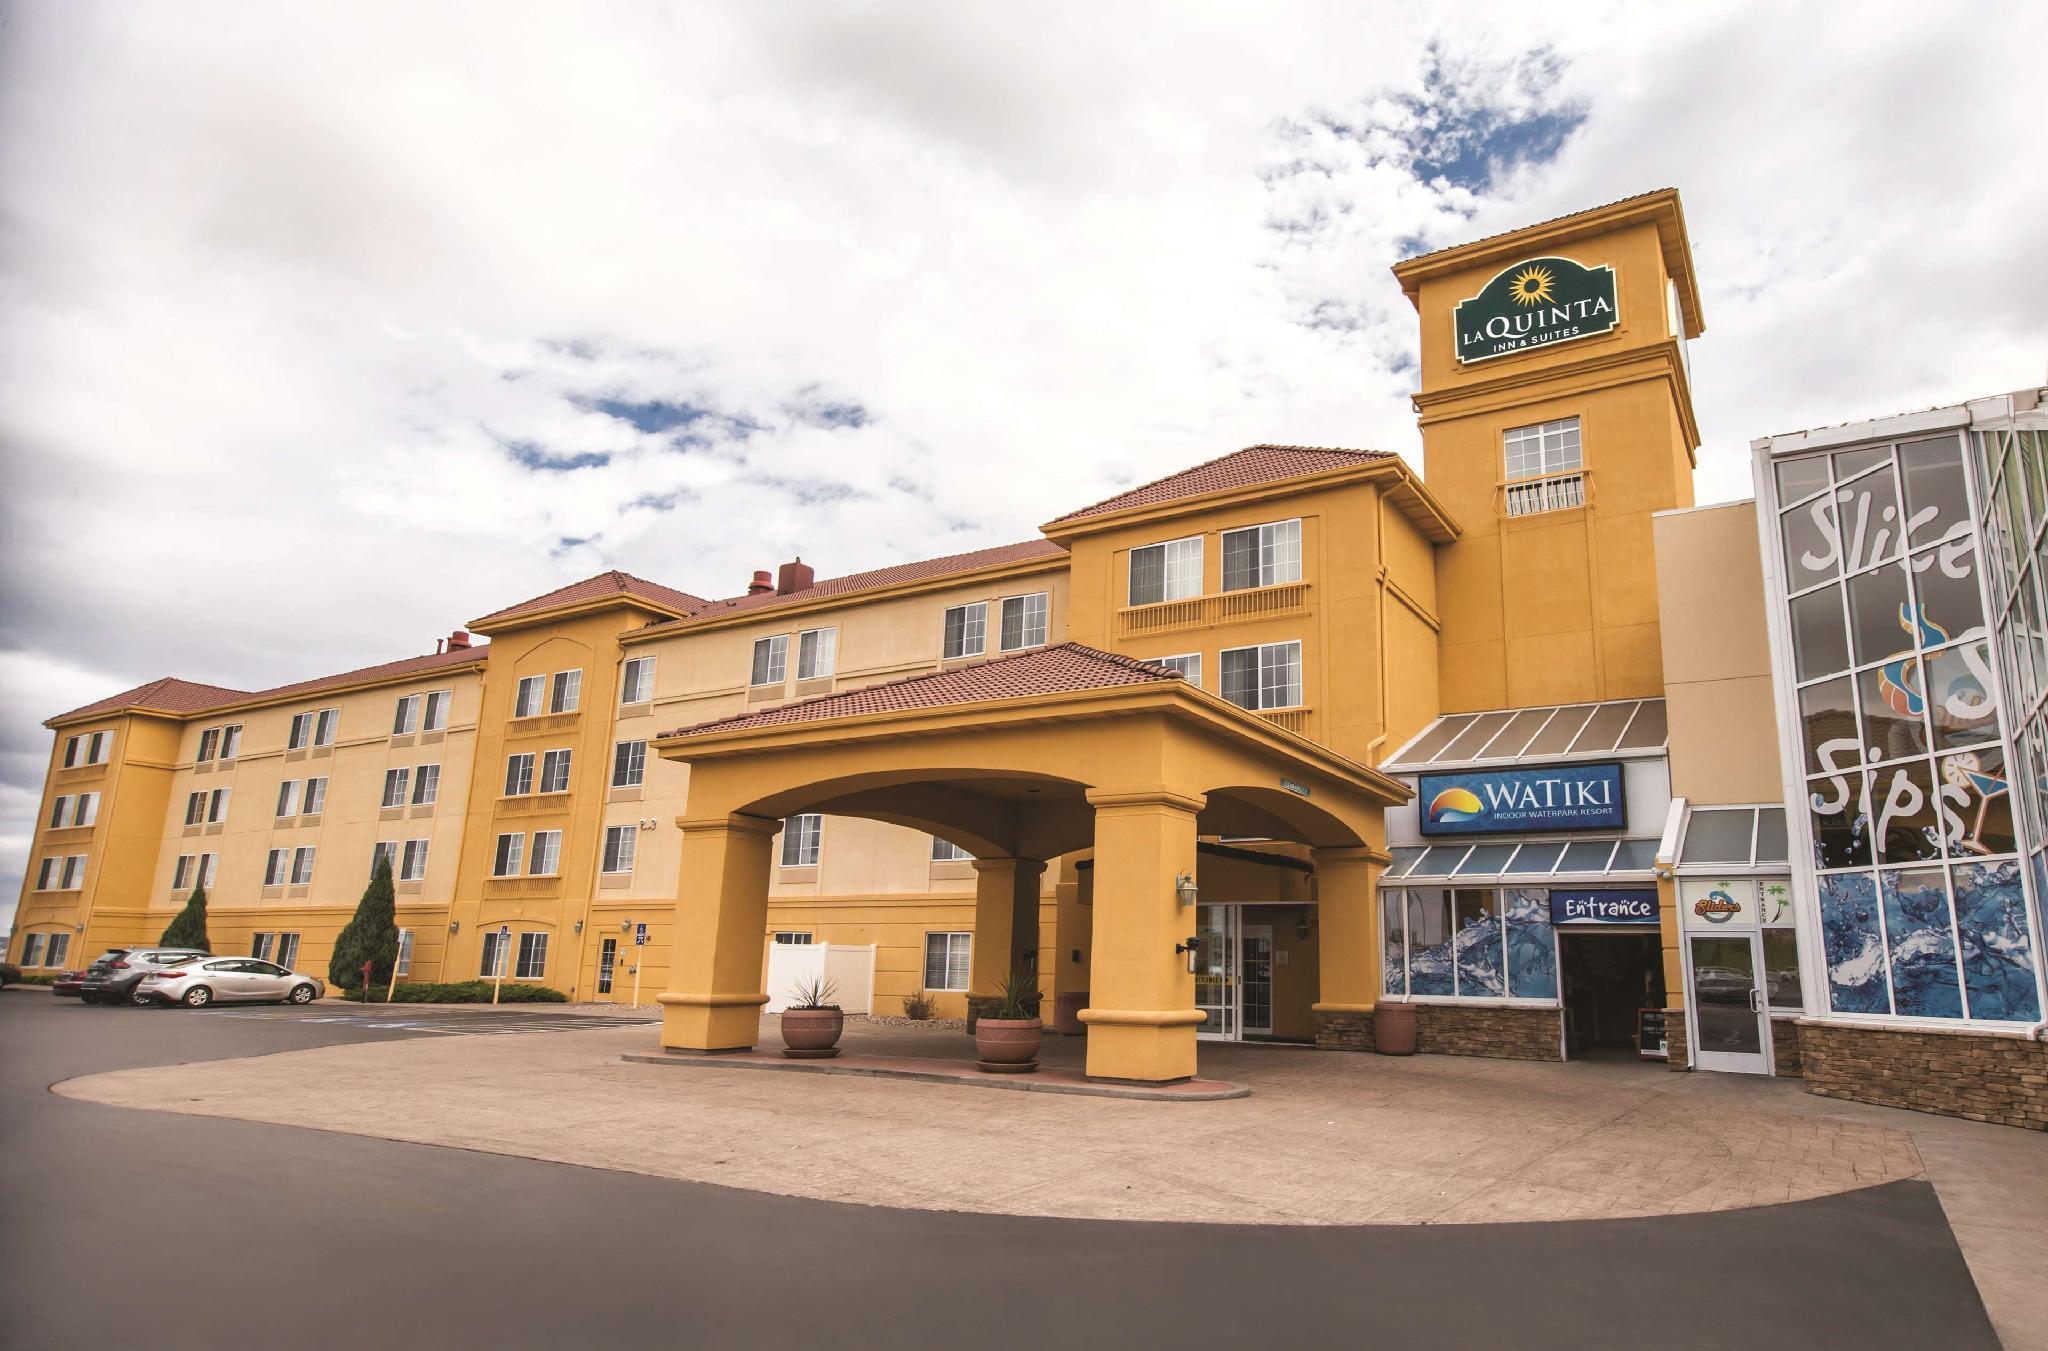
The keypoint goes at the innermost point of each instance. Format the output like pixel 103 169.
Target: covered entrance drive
pixel 1020 761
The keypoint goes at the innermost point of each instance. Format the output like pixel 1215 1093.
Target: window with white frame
pixel 1023 622
pixel 1542 464
pixel 519 774
pixel 60 810
pixel 771 660
pixel 32 950
pixel 231 741
pixel 46 871
pixel 209 868
pixel 261 945
pixel 629 764
pixel 277 865
pixel 494 954
pixel 195 808
pixel 217 806
pixel 1267 676
pixel 1189 664
pixel 436 719
pixel 405 719
pixel 413 863
pixel 426 785
pixel 547 853
pixel 1169 571
pixel 636 681
pixel 793 938
pixel 554 771
pixel 302 865
pixel 74 747
pixel 326 725
pixel 384 852
pixel 815 651
pixel 60 948
pixel 966 631
pixel 288 798
pixel 946 960
pixel 801 837
pixel 209 746
pixel 287 950
pixel 396 783
pixel 97 747
pixel 945 851
pixel 1262 555
pixel 183 871
pixel 314 800
pixel 74 872
pixel 74 809
pixel 619 845
pixel 403 968
pixel 301 734
pixel 566 693
pixel 533 957
pixel 532 692
pixel 510 849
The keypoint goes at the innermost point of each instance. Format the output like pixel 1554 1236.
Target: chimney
pixel 760 583
pixel 458 641
pixel 794 576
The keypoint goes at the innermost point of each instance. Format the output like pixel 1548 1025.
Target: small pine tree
pixel 372 936
pixel 188 930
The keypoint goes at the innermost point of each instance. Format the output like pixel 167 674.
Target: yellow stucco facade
pixel 1358 601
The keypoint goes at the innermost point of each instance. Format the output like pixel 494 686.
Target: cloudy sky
pixel 324 329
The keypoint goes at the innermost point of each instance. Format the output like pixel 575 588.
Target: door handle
pixel 1756 1001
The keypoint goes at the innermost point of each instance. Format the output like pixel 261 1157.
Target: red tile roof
pixel 1240 469
pixel 613 583
pixel 168 694
pixel 1554 220
pixel 171 695
pixel 877 578
pixel 1046 670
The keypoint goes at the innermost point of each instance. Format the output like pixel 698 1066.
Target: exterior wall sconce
pixel 625 926
pixel 1185 890
pixel 579 926
pixel 455 926
pixel 1305 924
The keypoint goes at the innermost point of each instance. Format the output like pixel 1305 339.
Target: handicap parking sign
pixel 639 935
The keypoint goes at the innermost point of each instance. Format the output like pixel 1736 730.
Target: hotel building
pixel 1537 747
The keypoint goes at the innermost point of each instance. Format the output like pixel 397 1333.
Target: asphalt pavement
pixel 171 1231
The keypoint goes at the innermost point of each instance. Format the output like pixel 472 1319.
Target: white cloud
pixel 285 282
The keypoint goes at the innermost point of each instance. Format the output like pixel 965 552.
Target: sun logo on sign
pixel 1531 286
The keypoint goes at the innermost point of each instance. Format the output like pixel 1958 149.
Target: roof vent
pixel 760 583
pixel 458 641
pixel 794 576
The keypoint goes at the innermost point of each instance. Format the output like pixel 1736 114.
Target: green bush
pixel 188 930
pixel 468 992
pixel 371 936
pixel 921 1007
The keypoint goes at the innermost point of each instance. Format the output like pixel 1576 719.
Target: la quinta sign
pixel 1535 304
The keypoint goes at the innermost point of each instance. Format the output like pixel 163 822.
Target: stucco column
pixel 1141 1012
pixel 1349 946
pixel 714 997
pixel 1005 924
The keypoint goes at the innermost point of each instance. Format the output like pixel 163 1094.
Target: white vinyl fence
pixel 849 966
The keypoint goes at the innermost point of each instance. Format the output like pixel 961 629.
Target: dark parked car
pixel 69 984
pixel 113 977
pixel 10 974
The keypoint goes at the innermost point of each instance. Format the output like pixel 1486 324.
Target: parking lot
pixel 433 1021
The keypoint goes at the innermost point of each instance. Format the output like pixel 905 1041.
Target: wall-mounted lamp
pixel 455 926
pixel 1185 890
pixel 1303 925
pixel 625 926
pixel 579 926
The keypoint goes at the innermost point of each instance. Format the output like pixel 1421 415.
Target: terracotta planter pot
pixel 1008 1045
pixel 811 1034
pixel 1393 1029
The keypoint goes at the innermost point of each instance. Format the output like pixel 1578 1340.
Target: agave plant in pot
pixel 812 1023
pixel 1007 1038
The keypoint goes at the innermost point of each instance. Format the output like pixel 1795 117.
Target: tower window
pixel 1544 467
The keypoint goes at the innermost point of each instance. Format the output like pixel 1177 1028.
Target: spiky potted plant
pixel 1007 1038
pixel 812 1023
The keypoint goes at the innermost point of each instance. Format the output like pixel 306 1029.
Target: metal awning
pixel 1549 734
pixel 1524 863
pixel 1723 839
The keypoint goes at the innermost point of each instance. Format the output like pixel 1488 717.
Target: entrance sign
pixel 1536 304
pixel 1613 905
pixel 1560 797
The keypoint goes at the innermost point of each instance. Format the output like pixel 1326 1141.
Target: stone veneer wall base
pixel 1978 1076
pixel 1446 1029
pixel 1785 1059
pixel 1343 1031
pixel 1674 1037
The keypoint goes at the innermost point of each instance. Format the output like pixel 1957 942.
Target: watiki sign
pixel 1536 304
pixel 1556 797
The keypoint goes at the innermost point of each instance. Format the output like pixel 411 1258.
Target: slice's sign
pixel 1560 797
pixel 1536 304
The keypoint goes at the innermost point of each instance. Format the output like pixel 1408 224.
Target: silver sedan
pixel 229 980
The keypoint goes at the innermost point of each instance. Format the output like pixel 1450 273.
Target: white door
pixel 1730 1028
pixel 1216 987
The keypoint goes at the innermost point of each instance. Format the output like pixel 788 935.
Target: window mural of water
pixel 1478 945
pixel 1923 951
pixel 1531 946
pixel 1471 943
pixel 1853 943
pixel 1998 959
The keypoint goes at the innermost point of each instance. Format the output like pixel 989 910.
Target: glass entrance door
pixel 1730 1028
pixel 1216 986
pixel 1255 984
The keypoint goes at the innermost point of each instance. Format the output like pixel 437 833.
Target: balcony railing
pixel 1288 598
pixel 1292 719
pixel 1552 492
